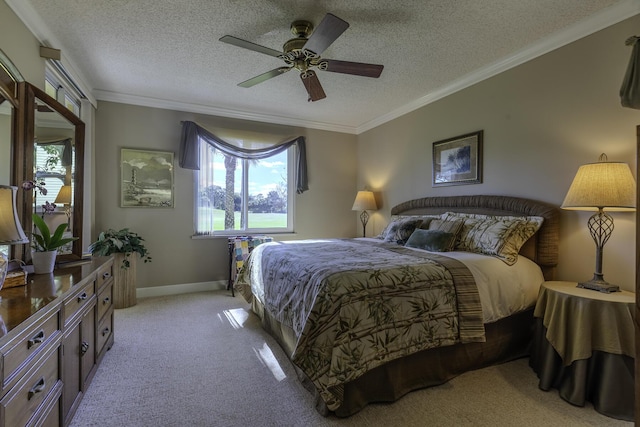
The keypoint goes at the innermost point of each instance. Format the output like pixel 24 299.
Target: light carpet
pixel 202 359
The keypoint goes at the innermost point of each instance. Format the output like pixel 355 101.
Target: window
pixel 236 196
pixel 62 89
pixel 51 171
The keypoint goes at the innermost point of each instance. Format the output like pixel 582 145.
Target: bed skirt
pixel 507 339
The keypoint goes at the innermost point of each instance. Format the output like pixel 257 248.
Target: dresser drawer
pixel 76 301
pixel 105 300
pixel 27 346
pixel 48 414
pixel 105 273
pixel 26 397
pixel 104 331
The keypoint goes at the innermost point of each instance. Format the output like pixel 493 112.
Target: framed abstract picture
pixel 458 160
pixel 146 178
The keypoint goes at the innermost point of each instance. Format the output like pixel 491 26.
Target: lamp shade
pixel 10 229
pixel 64 195
pixel 364 201
pixel 606 185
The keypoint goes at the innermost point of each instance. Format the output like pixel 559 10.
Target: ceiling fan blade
pixel 264 76
pixel 326 33
pixel 313 86
pixel 355 68
pixel 251 46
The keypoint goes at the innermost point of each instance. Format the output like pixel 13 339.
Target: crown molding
pixel 215 111
pixel 606 18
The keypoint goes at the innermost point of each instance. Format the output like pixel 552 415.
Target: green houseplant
pixel 45 245
pixel 120 242
pixel 44 241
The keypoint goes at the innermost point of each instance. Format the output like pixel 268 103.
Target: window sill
pixel 226 236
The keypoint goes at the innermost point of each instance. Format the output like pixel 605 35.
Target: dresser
pixel 53 334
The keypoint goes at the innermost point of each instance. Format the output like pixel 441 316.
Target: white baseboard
pixel 158 291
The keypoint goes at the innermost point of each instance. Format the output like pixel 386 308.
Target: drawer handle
pixel 105 331
pixel 82 296
pixel 36 339
pixel 84 348
pixel 37 388
pixel 106 300
pixel 106 275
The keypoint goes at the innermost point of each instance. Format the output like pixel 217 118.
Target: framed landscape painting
pixel 146 178
pixel 458 160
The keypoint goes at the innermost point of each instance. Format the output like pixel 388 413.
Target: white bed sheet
pixel 504 290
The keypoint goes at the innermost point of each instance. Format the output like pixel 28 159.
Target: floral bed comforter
pixel 354 305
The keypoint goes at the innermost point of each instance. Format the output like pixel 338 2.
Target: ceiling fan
pixel 303 54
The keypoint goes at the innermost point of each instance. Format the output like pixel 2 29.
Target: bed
pixel 369 320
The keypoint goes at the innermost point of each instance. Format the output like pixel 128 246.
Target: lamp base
pixel 600 286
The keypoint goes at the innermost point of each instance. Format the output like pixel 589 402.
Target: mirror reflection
pixel 54 165
pixel 6 116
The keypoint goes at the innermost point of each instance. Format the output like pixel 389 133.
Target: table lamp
pixel 601 186
pixel 11 232
pixel 64 198
pixel 365 201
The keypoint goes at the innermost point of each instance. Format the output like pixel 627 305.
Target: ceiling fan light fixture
pixel 301 28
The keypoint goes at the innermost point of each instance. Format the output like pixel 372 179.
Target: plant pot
pixel 43 262
pixel 124 288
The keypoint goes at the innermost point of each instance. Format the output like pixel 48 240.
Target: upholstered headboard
pixel 542 248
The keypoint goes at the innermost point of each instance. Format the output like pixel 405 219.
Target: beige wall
pixel 323 211
pixel 21 46
pixel 541 121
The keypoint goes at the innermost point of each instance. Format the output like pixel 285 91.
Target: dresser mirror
pixel 9 78
pixel 50 150
pixel 6 118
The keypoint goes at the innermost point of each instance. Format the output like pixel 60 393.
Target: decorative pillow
pixel 495 235
pixel 431 240
pixel 400 230
pixel 425 222
pixel 452 227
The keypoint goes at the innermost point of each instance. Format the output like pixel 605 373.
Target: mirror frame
pixel 9 79
pixel 23 158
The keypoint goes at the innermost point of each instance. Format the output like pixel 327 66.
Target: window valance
pixel 630 89
pixel 192 134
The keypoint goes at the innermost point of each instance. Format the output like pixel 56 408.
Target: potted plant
pixel 121 244
pixel 45 245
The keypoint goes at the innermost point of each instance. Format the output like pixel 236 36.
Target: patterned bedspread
pixel 354 305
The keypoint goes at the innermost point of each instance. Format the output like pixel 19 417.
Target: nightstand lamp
pixel 64 198
pixel 365 201
pixel 601 186
pixel 11 232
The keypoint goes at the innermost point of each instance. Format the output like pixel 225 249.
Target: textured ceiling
pixel 166 53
